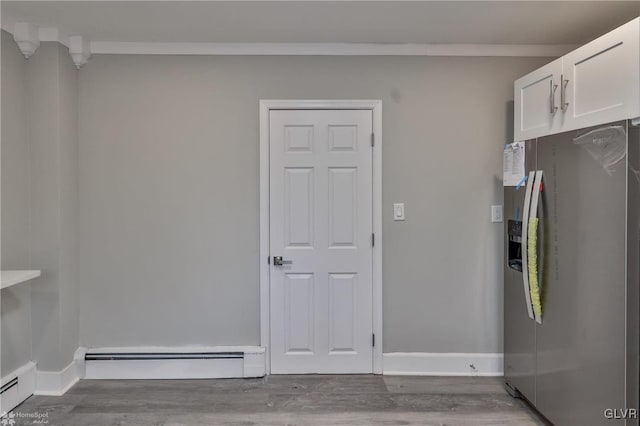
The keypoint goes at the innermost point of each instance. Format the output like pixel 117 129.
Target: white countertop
pixel 9 278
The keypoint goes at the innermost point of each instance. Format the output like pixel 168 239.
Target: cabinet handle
pixel 552 96
pixel 563 93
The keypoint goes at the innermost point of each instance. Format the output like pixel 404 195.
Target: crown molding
pixel 81 49
pixel 41 33
pixel 53 35
pixel 325 49
pixel 28 37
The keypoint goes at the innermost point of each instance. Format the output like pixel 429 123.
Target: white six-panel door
pixel 321 222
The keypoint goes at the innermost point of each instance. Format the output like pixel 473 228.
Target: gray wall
pixel 14 219
pixel 52 102
pixel 169 193
pixel 39 205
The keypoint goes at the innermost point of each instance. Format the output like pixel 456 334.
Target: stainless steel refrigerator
pixel 575 359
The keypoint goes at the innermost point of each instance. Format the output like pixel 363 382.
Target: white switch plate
pixel 398 211
pixel 496 214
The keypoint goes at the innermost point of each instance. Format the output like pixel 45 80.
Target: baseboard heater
pixel 173 363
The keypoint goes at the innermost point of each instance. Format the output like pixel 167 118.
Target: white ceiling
pixel 474 22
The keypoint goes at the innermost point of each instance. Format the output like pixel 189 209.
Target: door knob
pixel 279 261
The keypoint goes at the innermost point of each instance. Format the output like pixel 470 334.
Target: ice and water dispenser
pixel 514 231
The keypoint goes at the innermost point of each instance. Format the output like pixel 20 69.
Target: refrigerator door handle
pixel 535 287
pixel 523 248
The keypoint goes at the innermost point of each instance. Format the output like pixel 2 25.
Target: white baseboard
pixel 251 363
pixel 56 383
pixel 25 387
pixel 442 364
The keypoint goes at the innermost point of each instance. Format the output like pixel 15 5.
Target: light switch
pixel 398 211
pixel 496 214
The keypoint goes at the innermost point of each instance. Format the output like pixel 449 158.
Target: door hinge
pixel 373 340
pixel 373 139
pixel 268 260
pixel 373 240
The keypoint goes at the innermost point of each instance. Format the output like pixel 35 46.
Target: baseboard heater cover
pixel 173 363
pixel 141 356
pixel 12 383
pixel 17 386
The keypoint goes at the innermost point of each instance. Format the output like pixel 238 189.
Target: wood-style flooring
pixel 282 400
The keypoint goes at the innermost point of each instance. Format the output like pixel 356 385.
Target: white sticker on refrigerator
pixel 513 164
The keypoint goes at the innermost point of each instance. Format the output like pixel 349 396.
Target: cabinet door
pixel 536 102
pixel 603 79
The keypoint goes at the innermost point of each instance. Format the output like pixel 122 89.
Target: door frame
pixel 375 106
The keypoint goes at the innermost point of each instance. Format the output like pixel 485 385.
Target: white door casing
pixel 324 306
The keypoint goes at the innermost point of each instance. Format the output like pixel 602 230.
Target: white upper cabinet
pixel 603 78
pixel 595 84
pixel 536 108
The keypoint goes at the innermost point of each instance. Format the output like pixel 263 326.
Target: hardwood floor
pixel 283 400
